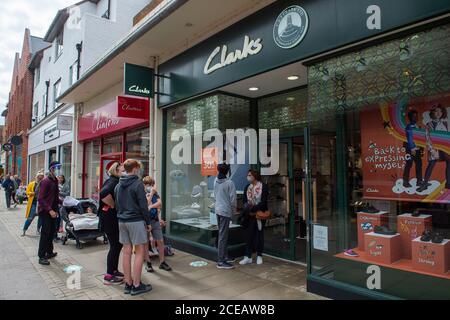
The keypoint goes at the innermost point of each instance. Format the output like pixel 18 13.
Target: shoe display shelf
pixel 431 257
pixel 411 227
pixel 383 248
pixel 366 223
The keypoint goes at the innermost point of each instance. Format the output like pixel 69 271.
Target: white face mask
pixel 149 189
pixel 250 179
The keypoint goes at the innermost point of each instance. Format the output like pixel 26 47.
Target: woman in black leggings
pixel 110 224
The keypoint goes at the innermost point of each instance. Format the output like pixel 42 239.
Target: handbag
pixel 263 215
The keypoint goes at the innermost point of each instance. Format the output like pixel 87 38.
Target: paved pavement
pixel 23 278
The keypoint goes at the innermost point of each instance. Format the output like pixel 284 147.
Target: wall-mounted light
pixel 293 78
pixel 253 89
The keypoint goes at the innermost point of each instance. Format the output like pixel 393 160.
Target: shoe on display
pixel 246 260
pixel 416 213
pixel 368 208
pixel 165 266
pixel 426 236
pixel 384 230
pixel 128 288
pixel 112 280
pixel 351 253
pixel 224 265
pixel 142 288
pixel 196 192
pixel 437 238
pixel 259 260
pixel 195 205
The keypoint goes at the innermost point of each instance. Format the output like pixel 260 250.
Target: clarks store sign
pixel 283 33
pixel 138 80
pixel 119 115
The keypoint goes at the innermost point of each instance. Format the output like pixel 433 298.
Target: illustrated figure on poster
pixel 414 152
pixel 438 122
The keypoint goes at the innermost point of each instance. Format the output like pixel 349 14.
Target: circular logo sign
pixel 290 27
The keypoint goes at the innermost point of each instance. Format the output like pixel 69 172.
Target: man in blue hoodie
pixel 225 207
pixel 134 223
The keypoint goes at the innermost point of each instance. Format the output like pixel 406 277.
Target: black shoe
pixel 368 208
pixel 384 230
pixel 51 256
pixel 426 236
pixel 143 288
pixel 224 265
pixel 44 262
pixel 112 280
pixel 407 185
pixel 118 274
pixel 128 288
pixel 423 187
pixel 437 238
pixel 416 213
pixel 165 266
pixel 149 267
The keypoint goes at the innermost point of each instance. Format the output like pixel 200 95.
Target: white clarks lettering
pixel 251 47
pixel 103 122
pixel 374 20
pixel 137 89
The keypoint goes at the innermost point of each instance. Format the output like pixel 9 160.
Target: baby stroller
pixel 81 221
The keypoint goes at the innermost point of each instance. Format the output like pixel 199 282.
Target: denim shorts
pixel 134 233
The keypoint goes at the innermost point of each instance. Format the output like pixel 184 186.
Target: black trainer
pixel 112 280
pixel 142 288
pixel 384 230
pixel 407 184
pixel 416 213
pixel 44 262
pixel 128 288
pixel 437 238
pixel 149 267
pixel 165 266
pixel 426 236
pixel 368 208
pixel 52 255
pixel 224 265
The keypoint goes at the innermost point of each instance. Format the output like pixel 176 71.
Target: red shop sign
pixel 119 115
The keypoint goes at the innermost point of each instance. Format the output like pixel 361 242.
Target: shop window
pixel 380 164
pixel 112 144
pixel 138 147
pixel 56 93
pixel 92 164
pixel 65 156
pixel 189 190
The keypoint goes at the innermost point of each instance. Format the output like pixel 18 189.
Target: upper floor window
pixel 107 14
pixel 59 45
pixel 56 92
pixel 37 75
pixel 34 119
pixel 73 73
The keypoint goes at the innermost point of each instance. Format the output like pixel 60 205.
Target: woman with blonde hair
pixel 32 192
pixel 110 223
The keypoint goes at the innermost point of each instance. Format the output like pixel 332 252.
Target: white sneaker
pixel 259 260
pixel 246 260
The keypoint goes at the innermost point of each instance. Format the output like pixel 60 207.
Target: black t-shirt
pixel 108 189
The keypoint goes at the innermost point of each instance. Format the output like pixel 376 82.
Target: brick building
pixel 18 114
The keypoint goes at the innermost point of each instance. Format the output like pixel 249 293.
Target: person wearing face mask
pixel 48 205
pixel 156 235
pixel 134 224
pixel 255 199
pixel 32 192
pixel 110 223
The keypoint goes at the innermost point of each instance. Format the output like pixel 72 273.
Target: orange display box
pixel 410 228
pixel 383 248
pixel 366 223
pixel 431 257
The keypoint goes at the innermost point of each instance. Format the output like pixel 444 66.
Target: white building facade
pixel 78 36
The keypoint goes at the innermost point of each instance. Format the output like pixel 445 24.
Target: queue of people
pixel 130 216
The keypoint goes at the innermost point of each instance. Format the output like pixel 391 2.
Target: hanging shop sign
pixel 282 33
pixel 16 140
pixel 119 115
pixel 51 133
pixel 7 147
pixel 405 150
pixel 64 122
pixel 138 80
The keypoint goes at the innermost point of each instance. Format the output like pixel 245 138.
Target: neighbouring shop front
pixel 113 132
pixel 50 141
pixel 364 166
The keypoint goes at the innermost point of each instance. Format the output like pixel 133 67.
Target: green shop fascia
pixel 368 66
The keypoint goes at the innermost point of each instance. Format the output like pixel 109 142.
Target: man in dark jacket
pixel 134 221
pixel 8 185
pixel 48 205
